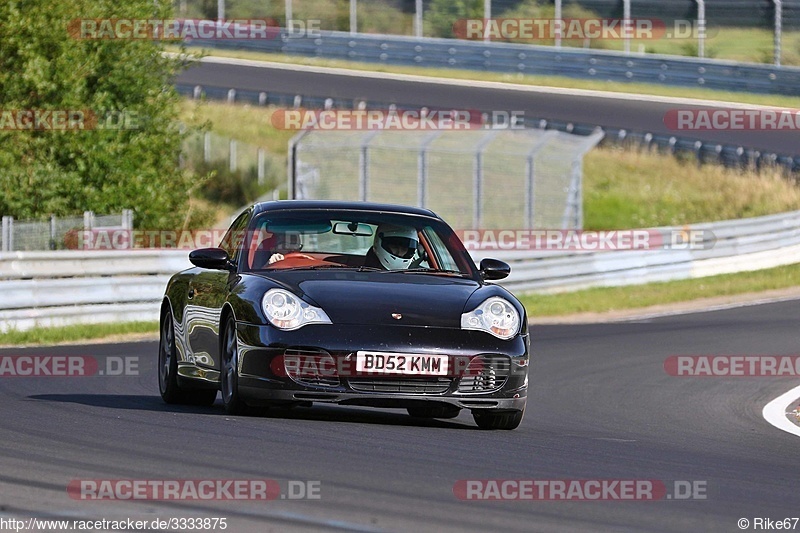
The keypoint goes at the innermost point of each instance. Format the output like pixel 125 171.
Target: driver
pixel 393 247
pixel 285 243
pixel 272 248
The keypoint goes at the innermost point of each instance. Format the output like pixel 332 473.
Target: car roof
pixel 284 205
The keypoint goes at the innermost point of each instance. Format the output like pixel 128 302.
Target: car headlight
pixel 286 311
pixel 496 316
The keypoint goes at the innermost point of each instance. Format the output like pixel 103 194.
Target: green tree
pixel 443 14
pixel 44 67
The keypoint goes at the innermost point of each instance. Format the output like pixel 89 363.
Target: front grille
pixel 485 373
pixel 316 368
pixel 432 385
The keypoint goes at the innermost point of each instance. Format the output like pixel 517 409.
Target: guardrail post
pixel 363 167
pixel 701 28
pixel 422 168
pixel 8 234
pixel 575 195
pixel 530 175
pixel 418 18
pixel 626 25
pixel 487 14
pixel 778 30
pixel 353 17
pixel 232 157
pixel 207 147
pixel 127 219
pixel 572 218
pixel 260 165
pixel 558 22
pixel 477 179
pixel 53 232
pixel 293 163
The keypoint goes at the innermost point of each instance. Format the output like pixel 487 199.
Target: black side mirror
pixel 494 269
pixel 211 258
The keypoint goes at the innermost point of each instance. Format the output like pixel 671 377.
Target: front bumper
pixel 262 381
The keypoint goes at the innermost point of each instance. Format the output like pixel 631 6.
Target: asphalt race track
pixel 641 116
pixel 600 407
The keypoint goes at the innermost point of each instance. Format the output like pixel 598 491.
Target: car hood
pixel 376 298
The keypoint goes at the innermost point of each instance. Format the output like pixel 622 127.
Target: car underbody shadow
pixel 318 413
pixel 353 414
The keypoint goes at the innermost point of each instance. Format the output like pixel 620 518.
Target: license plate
pixel 401 364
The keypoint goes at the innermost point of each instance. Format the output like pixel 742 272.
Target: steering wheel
pixel 298 255
pixel 296 259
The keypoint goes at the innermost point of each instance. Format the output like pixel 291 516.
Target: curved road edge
pixel 458 82
pixel 775 411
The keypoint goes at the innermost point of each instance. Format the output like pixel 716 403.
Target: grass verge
pixel 78 332
pixel 635 188
pixel 605 299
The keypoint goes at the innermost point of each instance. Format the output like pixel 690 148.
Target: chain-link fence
pixel 484 179
pixel 57 233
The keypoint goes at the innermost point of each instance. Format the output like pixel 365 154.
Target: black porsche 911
pixel 349 303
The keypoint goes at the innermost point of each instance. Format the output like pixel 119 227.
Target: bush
pixel 443 14
pixel 236 188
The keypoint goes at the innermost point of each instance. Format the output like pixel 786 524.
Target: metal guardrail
pixel 739 246
pixel 59 288
pixel 72 287
pixel 528 59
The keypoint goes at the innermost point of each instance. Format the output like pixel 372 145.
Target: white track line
pixel 775 411
pixel 456 82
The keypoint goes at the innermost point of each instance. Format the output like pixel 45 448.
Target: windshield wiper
pixel 309 267
pixel 430 271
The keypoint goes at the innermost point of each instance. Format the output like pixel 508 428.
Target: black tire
pixel 498 420
pixel 168 386
pixel 229 371
pixel 434 411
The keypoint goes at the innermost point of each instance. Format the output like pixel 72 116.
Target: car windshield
pixel 363 240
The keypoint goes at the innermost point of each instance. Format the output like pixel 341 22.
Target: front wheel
pixel 168 386
pixel 230 371
pixel 498 420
